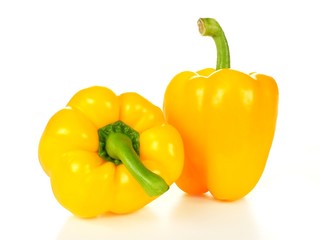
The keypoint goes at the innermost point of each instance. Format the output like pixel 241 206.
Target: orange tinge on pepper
pixel 227 120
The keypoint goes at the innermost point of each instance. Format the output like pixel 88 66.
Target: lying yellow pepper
pixel 227 121
pixel 107 153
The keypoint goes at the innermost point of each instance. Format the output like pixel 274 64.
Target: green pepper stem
pixel 119 146
pixel 210 27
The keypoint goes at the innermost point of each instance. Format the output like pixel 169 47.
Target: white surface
pixel 51 49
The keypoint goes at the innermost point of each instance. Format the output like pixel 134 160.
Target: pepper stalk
pixel 210 27
pixel 119 143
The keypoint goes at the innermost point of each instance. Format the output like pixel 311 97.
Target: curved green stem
pixel 119 146
pixel 210 27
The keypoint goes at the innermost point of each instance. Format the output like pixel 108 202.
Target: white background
pixel 51 49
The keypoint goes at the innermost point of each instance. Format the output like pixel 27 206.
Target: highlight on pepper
pixel 108 153
pixel 227 121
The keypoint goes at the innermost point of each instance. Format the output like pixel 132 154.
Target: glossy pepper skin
pixel 227 120
pixel 108 153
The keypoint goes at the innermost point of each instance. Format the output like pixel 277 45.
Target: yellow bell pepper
pixel 108 153
pixel 227 120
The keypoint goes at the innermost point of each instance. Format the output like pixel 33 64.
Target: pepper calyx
pixel 117 127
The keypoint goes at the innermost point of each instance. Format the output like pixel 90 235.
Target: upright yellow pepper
pixel 227 121
pixel 108 153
